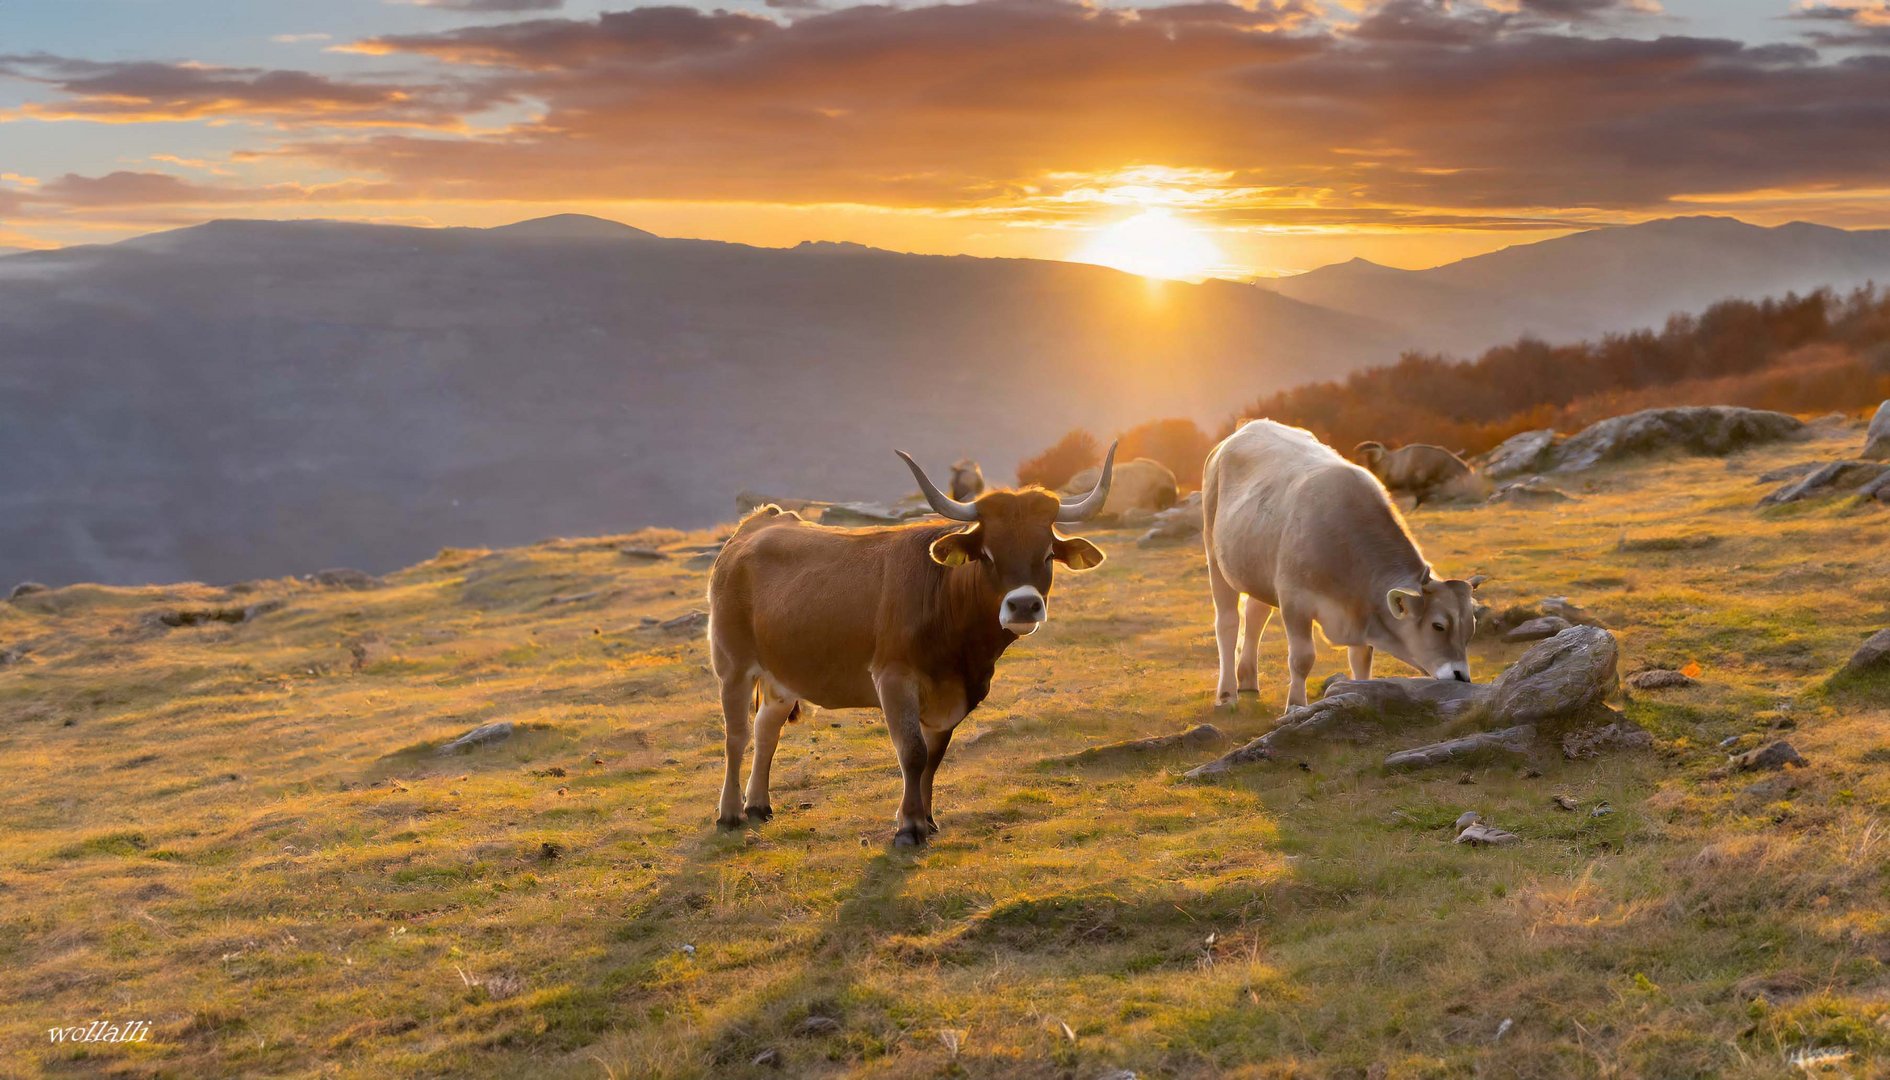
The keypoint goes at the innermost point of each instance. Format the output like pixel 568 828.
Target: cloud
pixel 1411 114
pixel 1863 22
pixel 489 6
pixel 126 92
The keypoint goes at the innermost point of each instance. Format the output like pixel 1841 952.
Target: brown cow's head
pixel 1013 536
pixel 1430 626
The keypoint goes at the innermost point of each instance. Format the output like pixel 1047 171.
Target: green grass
pixel 244 835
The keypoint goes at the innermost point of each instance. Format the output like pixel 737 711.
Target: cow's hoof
pixel 759 813
pixel 729 824
pixel 1226 701
pixel 910 837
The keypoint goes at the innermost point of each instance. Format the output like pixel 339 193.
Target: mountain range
pixel 254 398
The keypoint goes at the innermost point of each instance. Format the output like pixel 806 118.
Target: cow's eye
pixel 1439 627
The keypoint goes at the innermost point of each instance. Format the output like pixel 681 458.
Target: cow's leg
pixel 1255 616
pixel 1360 657
pixel 738 697
pixel 899 700
pixel 769 719
pixel 1299 654
pixel 1226 629
pixel 935 744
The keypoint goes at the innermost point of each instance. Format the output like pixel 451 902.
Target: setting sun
pixel 1155 243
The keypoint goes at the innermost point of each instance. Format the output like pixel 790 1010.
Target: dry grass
pixel 242 834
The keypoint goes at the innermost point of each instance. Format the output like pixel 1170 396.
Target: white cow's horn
pixel 944 505
pixel 1091 504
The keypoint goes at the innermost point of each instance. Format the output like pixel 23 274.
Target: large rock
pixel 1561 679
pixel 1877 438
pixel 1830 479
pixel 1872 658
pixel 1179 522
pixel 1557 688
pixel 483 735
pixel 1700 429
pixel 1519 455
pixel 1138 484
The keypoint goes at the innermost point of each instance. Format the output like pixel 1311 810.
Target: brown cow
pixel 907 618
pixel 1419 470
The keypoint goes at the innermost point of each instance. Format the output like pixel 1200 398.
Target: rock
pixel 1774 755
pixel 1623 734
pixel 483 735
pixel 1787 472
pixel 1139 484
pixel 1658 679
pixel 1877 490
pixel 1466 819
pixel 1538 629
pixel 27 588
pixel 1829 479
pixel 1563 608
pixel 344 578
pixel 199 616
pixel 870 513
pixel 815 1026
pixel 693 622
pixel 1565 677
pixel 1601 810
pixel 1515 740
pixel 1480 834
pixel 1871 658
pixel 1181 521
pixel 644 554
pixel 1534 491
pixel 11 655
pixel 769 1058
pixel 1138 518
pixel 1699 429
pixel 1199 737
pixel 1877 437
pixel 1519 454
pixel 1563 802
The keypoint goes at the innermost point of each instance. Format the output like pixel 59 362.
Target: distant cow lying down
pixel 1140 484
pixel 907 618
pixel 1422 471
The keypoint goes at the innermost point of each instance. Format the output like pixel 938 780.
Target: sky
pixel 1182 138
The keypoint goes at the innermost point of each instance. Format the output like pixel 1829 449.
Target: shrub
pixel 1177 443
pixel 1070 455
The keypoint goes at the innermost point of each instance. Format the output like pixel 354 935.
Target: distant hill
pixel 248 398
pixel 1595 282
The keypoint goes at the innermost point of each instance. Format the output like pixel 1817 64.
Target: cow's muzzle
pixel 1022 611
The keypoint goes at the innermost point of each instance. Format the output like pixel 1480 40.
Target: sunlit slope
pixel 242 833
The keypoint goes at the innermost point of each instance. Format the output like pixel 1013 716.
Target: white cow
pixel 1292 525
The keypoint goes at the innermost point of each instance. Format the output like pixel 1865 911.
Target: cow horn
pixel 942 504
pixel 1091 504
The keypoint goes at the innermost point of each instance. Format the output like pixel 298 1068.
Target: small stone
pixel 550 850
pixel 689 623
pixel 1602 810
pixel 483 735
pixel 1659 679
pixel 1563 802
pixel 815 1026
pixel 1871 658
pixel 1540 629
pixel 769 1058
pixel 1467 819
pixel 1482 835
pixel 1776 755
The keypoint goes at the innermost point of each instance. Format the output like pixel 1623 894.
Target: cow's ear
pixel 1075 552
pixel 1476 579
pixel 1403 602
pixel 959 548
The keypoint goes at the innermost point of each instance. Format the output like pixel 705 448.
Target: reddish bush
pixel 1796 354
pixel 1179 444
pixel 1053 468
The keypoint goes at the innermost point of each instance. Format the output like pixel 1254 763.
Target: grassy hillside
pixel 243 833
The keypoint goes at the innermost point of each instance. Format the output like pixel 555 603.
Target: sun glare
pixel 1155 243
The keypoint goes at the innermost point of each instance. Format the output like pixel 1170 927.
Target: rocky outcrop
pixel 1699 429
pixel 1862 477
pixel 1871 660
pixel 1877 438
pixel 1556 692
pixel 1178 523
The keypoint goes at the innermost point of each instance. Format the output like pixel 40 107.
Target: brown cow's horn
pixel 1091 504
pixel 944 505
